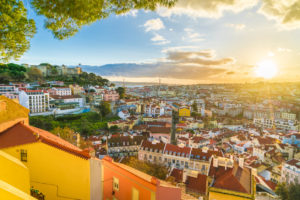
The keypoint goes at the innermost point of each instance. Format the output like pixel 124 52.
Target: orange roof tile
pixel 23 134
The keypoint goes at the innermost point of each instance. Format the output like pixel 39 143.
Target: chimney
pixel 241 162
pixel 216 162
pixel 184 175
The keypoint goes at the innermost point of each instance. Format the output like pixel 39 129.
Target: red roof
pixel 204 155
pixel 174 148
pixel 150 145
pixel 177 174
pixel 197 184
pixel 159 129
pixel 235 179
pixel 20 134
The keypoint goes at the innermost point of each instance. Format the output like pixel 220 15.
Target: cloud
pixel 236 26
pixel 178 48
pixel 177 64
pixel 203 58
pixel 192 36
pixel 230 73
pixel 286 50
pixel 132 13
pixel 206 8
pixel 154 24
pixel 285 12
pixel 159 40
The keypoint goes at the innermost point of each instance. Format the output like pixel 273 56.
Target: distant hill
pixel 122 69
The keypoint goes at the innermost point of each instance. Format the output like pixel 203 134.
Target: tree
pixel 288 192
pixel 104 108
pixel 11 72
pixel 66 134
pixel 15 30
pixel 157 170
pixel 34 74
pixel 121 92
pixel 62 18
pixel 194 107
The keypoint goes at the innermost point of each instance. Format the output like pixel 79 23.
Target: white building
pixel 9 91
pixel 124 114
pixel 285 125
pixel 37 101
pixel 290 172
pixel 61 91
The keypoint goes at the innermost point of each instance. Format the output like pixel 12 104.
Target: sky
pixel 197 41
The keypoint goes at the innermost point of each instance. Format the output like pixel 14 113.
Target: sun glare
pixel 266 69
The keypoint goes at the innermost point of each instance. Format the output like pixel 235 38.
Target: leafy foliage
pixel 34 74
pixel 288 192
pixel 121 92
pixel 104 108
pixel 86 123
pixel 15 30
pixel 83 79
pixel 63 18
pixel 70 136
pixel 11 72
pixel 153 169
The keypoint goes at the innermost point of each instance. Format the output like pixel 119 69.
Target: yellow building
pixel 184 112
pixel 76 89
pixel 11 113
pixel 14 179
pixel 57 168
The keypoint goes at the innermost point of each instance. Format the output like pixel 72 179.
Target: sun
pixel 266 69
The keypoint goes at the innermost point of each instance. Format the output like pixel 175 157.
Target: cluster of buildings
pixel 57 98
pixel 36 164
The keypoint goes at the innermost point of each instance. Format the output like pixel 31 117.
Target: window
pixel 23 155
pixel 135 194
pixel 115 184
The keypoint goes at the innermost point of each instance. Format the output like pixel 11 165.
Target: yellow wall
pixel 220 196
pixel 14 178
pixel 59 175
pixel 184 112
pixel 11 113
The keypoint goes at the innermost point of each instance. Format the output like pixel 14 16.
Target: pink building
pixel 111 95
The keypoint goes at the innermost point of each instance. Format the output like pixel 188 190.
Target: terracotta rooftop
pixel 177 174
pixel 170 148
pixel 294 162
pixel 235 179
pixel 65 97
pixel 150 145
pixel 204 155
pixel 166 130
pixel 20 134
pixel 196 184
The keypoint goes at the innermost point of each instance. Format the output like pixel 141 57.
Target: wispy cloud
pixel 159 40
pixel 154 25
pixel 206 8
pixel 236 26
pixel 132 13
pixel 286 50
pixel 192 35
